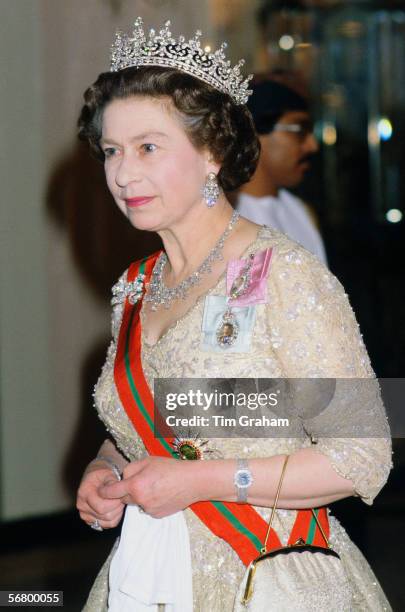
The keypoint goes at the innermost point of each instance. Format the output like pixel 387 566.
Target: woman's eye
pixel 148 147
pixel 109 152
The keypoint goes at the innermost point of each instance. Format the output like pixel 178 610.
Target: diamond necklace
pixel 158 294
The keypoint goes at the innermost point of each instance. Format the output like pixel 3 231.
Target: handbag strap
pixel 273 510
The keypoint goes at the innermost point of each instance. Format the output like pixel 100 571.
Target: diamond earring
pixel 211 190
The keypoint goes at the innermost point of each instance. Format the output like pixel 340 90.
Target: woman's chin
pixel 144 224
pixel 144 227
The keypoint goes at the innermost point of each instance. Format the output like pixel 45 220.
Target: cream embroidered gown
pixel 306 329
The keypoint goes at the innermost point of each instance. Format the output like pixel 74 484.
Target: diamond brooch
pixel 241 283
pixel 132 290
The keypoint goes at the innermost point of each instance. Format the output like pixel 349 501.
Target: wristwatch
pixel 243 479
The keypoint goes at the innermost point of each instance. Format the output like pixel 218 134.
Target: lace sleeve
pixel 319 338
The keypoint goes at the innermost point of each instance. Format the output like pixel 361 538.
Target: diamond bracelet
pixel 114 467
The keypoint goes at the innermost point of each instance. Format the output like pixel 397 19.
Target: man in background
pixel 285 130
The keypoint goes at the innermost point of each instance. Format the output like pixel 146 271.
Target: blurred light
pixel 352 29
pixel 373 134
pixel 394 215
pixel 385 128
pixel 303 45
pixel 329 134
pixel 335 98
pixel 207 48
pixel 286 42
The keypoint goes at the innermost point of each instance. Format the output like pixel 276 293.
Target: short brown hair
pixel 210 118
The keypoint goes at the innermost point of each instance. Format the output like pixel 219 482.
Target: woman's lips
pixel 134 202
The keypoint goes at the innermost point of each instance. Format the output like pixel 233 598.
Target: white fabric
pixel 286 213
pixel 152 565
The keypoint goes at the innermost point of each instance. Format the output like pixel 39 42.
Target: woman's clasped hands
pixel 159 486
pixel 92 505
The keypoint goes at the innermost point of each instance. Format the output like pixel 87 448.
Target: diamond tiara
pixel 188 56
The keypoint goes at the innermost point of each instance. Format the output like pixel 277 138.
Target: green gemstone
pixel 187 451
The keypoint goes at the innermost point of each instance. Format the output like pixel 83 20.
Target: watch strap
pixel 243 479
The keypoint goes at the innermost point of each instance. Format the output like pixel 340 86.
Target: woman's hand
pixel 160 486
pixel 91 504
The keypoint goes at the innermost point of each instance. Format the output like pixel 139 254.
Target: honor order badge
pixel 246 287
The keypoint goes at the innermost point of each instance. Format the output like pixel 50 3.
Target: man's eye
pixel 148 147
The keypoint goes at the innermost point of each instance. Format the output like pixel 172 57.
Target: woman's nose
pixel 127 171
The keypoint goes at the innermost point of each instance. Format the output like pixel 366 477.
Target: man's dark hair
pixel 270 100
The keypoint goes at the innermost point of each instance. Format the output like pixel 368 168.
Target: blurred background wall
pixel 58 254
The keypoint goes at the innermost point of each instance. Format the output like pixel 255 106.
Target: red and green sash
pixel 238 524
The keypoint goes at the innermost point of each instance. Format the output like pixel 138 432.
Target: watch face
pixel 243 478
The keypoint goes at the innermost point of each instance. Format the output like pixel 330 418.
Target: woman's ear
pixel 210 164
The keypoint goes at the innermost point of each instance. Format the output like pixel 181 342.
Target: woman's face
pixel 153 171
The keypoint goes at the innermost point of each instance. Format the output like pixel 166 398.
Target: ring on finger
pixel 96 525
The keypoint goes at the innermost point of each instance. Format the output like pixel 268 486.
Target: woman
pixel 227 299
